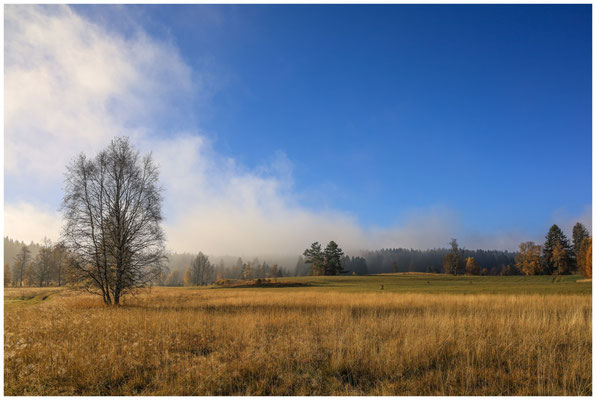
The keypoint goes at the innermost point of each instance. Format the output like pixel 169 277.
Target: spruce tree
pixel 314 256
pixel 333 257
pixel 554 236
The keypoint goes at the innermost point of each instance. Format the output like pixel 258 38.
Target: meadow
pixel 422 334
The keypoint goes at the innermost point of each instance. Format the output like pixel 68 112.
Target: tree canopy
pixel 112 209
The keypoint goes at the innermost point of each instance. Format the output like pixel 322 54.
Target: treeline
pixel 332 261
pixel 198 270
pixel 35 265
pixel 432 260
pixel 48 264
pixel 557 255
pixel 13 247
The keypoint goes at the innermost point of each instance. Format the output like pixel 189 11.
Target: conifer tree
pixel 333 256
pixel 555 235
pixel 314 256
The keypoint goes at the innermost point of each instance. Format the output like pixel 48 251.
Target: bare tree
pixel 21 263
pixel 112 209
pixel 60 262
pixel 44 264
pixel 201 270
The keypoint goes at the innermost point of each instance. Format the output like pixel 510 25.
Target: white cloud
pixel 27 222
pixel 70 85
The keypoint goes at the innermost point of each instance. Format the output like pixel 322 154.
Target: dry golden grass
pixel 292 342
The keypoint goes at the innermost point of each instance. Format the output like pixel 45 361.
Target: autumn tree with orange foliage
pixel 472 267
pixel 584 258
pixel 527 259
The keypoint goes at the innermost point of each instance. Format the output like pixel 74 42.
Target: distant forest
pixel 410 260
pixel 367 262
pixel 13 247
pixel 48 264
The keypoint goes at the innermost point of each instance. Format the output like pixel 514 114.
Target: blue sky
pixel 385 112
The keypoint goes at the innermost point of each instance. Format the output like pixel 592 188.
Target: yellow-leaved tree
pixel 187 277
pixel 472 267
pixel 528 258
pixel 587 265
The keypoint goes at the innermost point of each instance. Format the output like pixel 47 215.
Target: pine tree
pixel 314 256
pixel 333 256
pixel 555 235
pixel 359 266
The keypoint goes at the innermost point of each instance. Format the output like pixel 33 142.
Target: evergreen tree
pixel 314 256
pixel 555 235
pixel 359 266
pixel 394 267
pixel 333 255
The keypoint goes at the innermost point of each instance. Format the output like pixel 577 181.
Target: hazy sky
pixel 275 126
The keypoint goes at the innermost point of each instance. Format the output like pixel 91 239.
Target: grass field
pixel 421 335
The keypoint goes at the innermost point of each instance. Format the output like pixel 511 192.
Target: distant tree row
pixel 50 266
pixel 201 271
pixel 490 262
pixel 456 263
pixel 557 255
